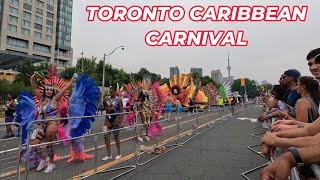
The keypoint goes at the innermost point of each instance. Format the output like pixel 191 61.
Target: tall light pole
pixel 82 62
pixel 104 66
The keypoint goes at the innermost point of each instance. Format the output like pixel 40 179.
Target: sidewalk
pixel 219 153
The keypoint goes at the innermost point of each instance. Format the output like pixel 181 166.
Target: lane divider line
pixel 129 156
pixel 2 175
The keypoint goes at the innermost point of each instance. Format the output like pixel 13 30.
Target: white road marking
pixel 251 119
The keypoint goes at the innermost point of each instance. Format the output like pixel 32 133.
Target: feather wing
pixel 83 102
pixel 25 112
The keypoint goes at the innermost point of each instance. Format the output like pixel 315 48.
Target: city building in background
pixel 228 79
pixel 264 82
pixel 256 83
pixel 8 75
pixel 216 75
pixel 39 30
pixel 196 70
pixel 174 71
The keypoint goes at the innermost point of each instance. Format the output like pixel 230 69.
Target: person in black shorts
pixel 9 111
pixel 113 105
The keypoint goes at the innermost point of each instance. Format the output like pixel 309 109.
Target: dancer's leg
pixel 51 133
pixel 107 127
pixel 116 133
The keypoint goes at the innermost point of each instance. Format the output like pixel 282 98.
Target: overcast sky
pixel 273 47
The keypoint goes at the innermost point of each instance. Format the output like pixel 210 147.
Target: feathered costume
pixel 182 87
pixel 82 102
pixel 152 106
pixel 225 90
pixel 26 108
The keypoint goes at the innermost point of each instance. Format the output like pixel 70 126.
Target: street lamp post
pixel 104 66
pixel 82 62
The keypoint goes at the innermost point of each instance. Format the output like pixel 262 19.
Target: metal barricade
pixel 10 149
pixel 94 143
pixel 316 170
pixel 176 132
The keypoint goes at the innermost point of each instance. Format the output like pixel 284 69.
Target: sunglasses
pixel 283 77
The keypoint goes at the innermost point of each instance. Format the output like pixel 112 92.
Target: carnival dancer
pixel 47 105
pixel 47 109
pixel 112 105
pixel 82 102
pixel 144 113
pixel 168 106
pixel 9 110
pixel 179 107
pixel 130 114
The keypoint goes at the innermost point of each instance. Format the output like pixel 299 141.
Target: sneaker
pixel 107 158
pixel 140 139
pixel 41 165
pixel 49 168
pixel 117 157
pixel 147 138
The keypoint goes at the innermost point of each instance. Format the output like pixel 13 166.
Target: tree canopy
pixel 252 90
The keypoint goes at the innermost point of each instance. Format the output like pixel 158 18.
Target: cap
pixel 293 73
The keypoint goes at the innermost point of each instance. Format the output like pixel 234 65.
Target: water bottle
pixel 281 106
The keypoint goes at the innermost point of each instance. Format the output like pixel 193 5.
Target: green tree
pixel 25 69
pixel 68 72
pixel 252 90
pixel 42 67
pixel 121 77
pixel 206 80
pixel 145 72
pixel 110 73
pixel 164 81
pixel 99 72
pixel 89 66
pixel 4 84
pixel 195 75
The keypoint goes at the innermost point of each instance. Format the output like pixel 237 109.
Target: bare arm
pixel 35 88
pixel 280 168
pixel 272 104
pixel 120 105
pixel 64 89
pixel 302 108
pixel 310 129
pixel 298 142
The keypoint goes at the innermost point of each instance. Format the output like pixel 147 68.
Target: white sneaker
pixel 117 157
pixel 140 139
pixel 147 138
pixel 107 158
pixel 41 165
pixel 49 168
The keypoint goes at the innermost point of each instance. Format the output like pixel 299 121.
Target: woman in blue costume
pixel 82 103
pixel 112 104
pixel 168 106
pixel 47 109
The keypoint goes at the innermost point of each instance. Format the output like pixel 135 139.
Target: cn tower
pixel 229 67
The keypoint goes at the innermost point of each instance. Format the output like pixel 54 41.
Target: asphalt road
pixel 95 145
pixel 219 153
